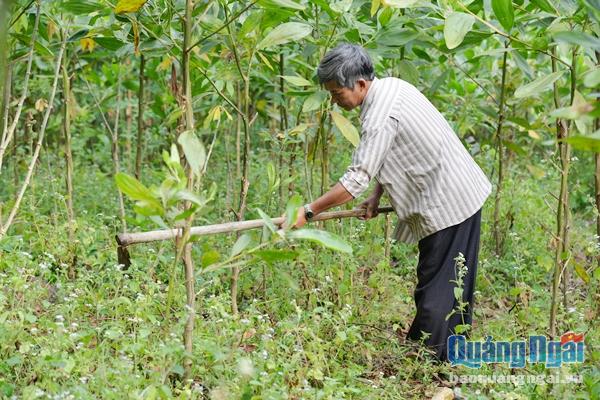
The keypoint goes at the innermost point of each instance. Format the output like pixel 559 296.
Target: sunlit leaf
pixel 581 272
pixel 87 44
pixel 399 3
pixel 314 101
pixel 297 80
pixel 324 238
pixel 456 27
pixel 346 128
pixel 538 85
pixel 133 188
pixel 193 149
pixel 375 6
pixel 128 6
pixel 276 4
pixel 285 33
pixel 291 210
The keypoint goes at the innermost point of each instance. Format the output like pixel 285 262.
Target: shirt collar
pixel 368 100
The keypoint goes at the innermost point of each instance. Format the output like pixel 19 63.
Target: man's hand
pixel 371 204
pixel 301 220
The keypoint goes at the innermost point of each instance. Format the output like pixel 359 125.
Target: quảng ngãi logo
pixel 538 349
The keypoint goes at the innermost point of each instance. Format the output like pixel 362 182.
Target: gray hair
pixel 345 65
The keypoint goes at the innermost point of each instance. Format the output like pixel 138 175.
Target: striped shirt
pixel 409 147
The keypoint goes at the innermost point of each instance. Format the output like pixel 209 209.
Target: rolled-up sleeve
pixel 368 157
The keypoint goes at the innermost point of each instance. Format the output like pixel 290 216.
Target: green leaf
pixel 240 244
pixel 271 256
pixel 538 85
pixel 194 151
pixel 396 36
pixel 536 171
pixel 588 142
pixel 209 257
pixel 297 80
pixel 578 38
pixel 408 71
pixel 268 223
pixel 324 238
pixel 133 188
pixel 592 78
pixel 185 194
pixel 285 33
pixel 544 5
pixel 314 101
pixel 291 210
pixel 79 7
pixel 341 6
pixel 456 27
pixel 109 43
pixel 505 13
pixel 276 4
pixel 345 127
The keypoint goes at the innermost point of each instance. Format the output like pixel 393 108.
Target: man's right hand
pixel 371 204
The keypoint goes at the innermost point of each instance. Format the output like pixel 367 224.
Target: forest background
pixel 133 116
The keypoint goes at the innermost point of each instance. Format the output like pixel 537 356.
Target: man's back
pixel 432 180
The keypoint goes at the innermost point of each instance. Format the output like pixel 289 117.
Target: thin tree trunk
pixel 187 251
pixel 244 182
pixel 562 218
pixel 140 120
pixel 597 174
pixel 7 135
pixel 115 153
pixel 283 125
pixel 498 231
pixel 6 96
pixel 565 164
pixel 325 159
pixel 68 162
pixel 128 126
pixel 38 146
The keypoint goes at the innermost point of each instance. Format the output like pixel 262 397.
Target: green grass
pixel 325 326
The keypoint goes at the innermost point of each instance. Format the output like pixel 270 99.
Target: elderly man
pixel 435 187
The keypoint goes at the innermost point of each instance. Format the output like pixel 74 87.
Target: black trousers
pixel 434 294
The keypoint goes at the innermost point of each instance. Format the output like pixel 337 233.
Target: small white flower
pixel 245 321
pixel 59 318
pixel 245 367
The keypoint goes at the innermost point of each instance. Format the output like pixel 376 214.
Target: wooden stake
pixel 127 239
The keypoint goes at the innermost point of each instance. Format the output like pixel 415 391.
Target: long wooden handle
pixel 126 239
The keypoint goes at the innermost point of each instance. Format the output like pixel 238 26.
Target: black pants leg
pixel 434 294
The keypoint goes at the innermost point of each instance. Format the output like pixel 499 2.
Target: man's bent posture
pixel 435 187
